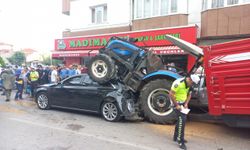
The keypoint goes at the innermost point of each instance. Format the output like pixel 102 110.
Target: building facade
pixel 6 50
pixel 214 21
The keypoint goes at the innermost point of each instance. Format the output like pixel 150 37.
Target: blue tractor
pixel 141 73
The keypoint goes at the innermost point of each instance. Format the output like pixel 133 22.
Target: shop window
pixel 232 2
pixel 217 3
pixel 99 14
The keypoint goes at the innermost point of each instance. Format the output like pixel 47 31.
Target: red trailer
pixel 227 71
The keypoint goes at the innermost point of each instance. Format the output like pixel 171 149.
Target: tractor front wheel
pixel 156 103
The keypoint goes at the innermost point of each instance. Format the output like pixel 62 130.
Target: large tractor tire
pixel 156 103
pixel 101 68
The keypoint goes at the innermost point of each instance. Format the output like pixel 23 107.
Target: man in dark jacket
pixel 8 82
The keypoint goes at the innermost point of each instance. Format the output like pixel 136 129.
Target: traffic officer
pixel 33 77
pixel 180 94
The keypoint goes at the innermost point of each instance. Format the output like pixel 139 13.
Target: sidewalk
pixel 15 105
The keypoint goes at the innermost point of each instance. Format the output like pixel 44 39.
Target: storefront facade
pixel 77 50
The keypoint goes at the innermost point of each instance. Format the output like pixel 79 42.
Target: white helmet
pixel 195 78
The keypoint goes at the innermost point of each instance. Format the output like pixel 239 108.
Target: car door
pixel 64 93
pixel 90 95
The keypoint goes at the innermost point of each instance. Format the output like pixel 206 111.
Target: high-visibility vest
pixel 34 76
pixel 181 90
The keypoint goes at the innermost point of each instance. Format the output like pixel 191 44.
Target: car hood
pixel 48 85
pixel 186 46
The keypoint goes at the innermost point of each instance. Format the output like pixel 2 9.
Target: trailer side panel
pixel 227 68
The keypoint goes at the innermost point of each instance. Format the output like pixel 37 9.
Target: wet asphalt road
pixel 24 127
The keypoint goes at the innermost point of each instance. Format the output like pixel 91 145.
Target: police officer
pixel 180 94
pixel 33 77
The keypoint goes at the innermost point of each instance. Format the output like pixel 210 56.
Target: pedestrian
pixel 78 69
pixel 19 86
pixel 8 83
pixel 23 76
pixel 72 71
pixel 3 71
pixel 33 77
pixel 45 78
pixel 41 74
pixel 84 69
pixel 63 73
pixel 180 95
pixel 54 75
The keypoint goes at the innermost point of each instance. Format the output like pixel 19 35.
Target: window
pixel 232 2
pixel 99 14
pixel 208 4
pixel 164 7
pixel 156 7
pixel 88 81
pixel 138 9
pixel 173 6
pixel 147 8
pixel 73 81
pixel 204 4
pixel 217 3
pixel 151 8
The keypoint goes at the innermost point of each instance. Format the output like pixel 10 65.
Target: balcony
pixel 228 21
pixel 160 22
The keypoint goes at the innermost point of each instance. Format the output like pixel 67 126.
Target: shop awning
pixel 57 54
pixel 168 50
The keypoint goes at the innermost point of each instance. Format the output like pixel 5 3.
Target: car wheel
pixel 110 111
pixel 42 101
pixel 101 68
pixel 156 103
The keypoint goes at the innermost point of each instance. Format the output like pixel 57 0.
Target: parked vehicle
pixel 81 93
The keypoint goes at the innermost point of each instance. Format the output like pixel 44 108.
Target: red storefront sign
pixel 146 38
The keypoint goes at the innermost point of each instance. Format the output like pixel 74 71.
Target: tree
pixel 2 63
pixel 18 58
pixel 47 61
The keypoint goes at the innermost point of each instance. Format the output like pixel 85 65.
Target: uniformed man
pixel 33 77
pixel 180 94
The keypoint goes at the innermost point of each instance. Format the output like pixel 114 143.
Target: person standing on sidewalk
pixel 8 83
pixel 180 94
pixel 54 75
pixel 33 77
pixel 19 86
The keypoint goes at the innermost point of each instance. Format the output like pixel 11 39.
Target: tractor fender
pixel 162 73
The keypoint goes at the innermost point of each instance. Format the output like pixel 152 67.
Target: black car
pixel 79 92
